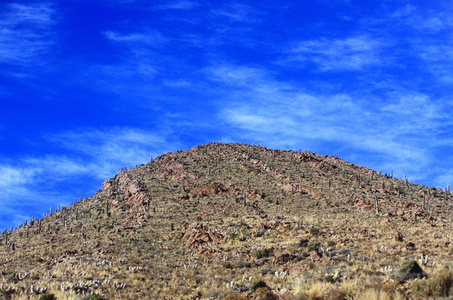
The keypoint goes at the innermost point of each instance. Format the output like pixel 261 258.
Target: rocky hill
pixel 235 221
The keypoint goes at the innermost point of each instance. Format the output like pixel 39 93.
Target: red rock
pixel 198 235
pixel 315 255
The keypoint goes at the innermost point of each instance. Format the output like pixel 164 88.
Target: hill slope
pixel 234 220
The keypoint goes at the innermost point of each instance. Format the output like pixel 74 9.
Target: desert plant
pixel 439 285
pixel 410 270
pixel 303 242
pixel 314 231
pixel 264 253
pixel 314 247
pixel 47 297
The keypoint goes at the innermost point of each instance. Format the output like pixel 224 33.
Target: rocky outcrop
pixel 213 189
pixel 124 189
pixel 198 235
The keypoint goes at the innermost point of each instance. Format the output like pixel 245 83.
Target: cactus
pixel 424 200
pixel 107 208
pixel 377 203
pixel 37 290
pixel 21 276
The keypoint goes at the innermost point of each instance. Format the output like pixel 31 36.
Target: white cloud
pixel 438 57
pixel 149 38
pixel 405 11
pixel 236 12
pixel 91 156
pixel 25 33
pixel 416 113
pixel 396 135
pixel 61 166
pixel 11 178
pixel 19 14
pixel 103 153
pixel 177 5
pixel 352 53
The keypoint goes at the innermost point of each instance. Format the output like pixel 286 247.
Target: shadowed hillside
pixel 234 221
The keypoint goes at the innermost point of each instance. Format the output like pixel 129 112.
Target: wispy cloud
pixel 104 152
pixel 438 56
pixel 11 178
pixel 236 12
pixel 424 20
pixel 149 38
pixel 177 5
pixel 350 54
pixel 427 34
pixel 90 156
pixel 25 32
pixel 267 111
pixel 416 113
pixel 141 59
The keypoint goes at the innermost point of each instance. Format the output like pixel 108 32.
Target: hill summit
pixel 235 221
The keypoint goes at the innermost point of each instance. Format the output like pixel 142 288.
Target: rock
pixel 214 188
pixel 315 255
pixel 363 206
pixel 282 259
pixel 199 235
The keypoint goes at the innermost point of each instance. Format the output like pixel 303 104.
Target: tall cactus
pixel 377 203
pixel 424 200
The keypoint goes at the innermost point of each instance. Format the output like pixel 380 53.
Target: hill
pixel 235 221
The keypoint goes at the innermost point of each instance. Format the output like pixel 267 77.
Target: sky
pixel 89 87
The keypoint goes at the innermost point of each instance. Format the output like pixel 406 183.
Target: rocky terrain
pixel 235 221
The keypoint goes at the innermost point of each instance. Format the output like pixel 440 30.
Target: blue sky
pixel 87 87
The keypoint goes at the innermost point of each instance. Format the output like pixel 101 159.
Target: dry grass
pixel 349 251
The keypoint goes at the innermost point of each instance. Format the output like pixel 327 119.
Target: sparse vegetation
pixel 178 227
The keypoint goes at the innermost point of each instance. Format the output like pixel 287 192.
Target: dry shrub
pixel 346 290
pixel 375 294
pixel 265 294
pixel 234 297
pixel 440 284
pixel 317 291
